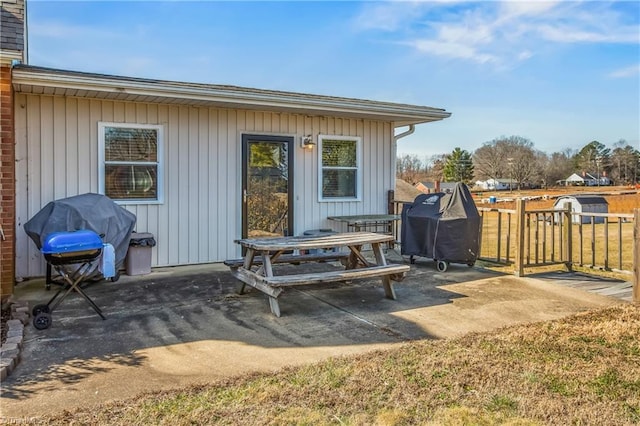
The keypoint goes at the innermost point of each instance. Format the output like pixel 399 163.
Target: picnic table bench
pixel 255 268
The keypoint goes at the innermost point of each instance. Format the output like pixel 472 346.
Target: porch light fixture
pixel 307 142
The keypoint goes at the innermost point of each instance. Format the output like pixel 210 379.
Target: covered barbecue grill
pixel 83 238
pixel 93 212
pixel 443 227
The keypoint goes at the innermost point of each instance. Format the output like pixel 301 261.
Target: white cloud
pixel 395 15
pixel 453 50
pixel 388 16
pixel 473 33
pixel 497 32
pixel 572 34
pixel 516 8
pixel 524 55
pixel 630 71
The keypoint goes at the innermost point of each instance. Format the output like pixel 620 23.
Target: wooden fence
pixel 536 238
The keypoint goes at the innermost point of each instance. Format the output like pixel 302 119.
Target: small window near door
pixel 130 162
pixel 340 168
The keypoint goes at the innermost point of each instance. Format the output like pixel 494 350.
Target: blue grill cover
pixel 70 242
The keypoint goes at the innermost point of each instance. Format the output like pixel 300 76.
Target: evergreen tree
pixel 458 167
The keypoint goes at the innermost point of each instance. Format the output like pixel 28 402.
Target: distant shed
pixel 584 204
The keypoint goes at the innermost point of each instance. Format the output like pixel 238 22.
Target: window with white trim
pixel 340 168
pixel 130 158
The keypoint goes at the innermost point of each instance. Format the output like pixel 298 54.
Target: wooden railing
pixel 601 241
pixel 537 238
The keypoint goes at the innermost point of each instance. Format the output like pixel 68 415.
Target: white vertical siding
pixel 204 189
pixel 22 249
pixel 57 154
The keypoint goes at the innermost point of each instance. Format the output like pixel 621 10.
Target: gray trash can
pixel 320 233
pixel 138 261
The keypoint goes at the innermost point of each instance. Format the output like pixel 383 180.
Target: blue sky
pixel 558 73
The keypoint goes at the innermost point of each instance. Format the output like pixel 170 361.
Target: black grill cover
pixel 95 212
pixel 442 226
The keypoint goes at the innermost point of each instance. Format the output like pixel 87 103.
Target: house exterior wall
pixel 492 185
pixel 482 184
pixel 588 180
pixel 57 157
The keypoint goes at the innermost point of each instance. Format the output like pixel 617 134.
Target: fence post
pixel 568 236
pixel 392 225
pixel 636 256
pixel 518 265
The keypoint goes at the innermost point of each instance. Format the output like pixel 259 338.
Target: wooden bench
pixel 273 286
pixel 395 272
pixel 294 258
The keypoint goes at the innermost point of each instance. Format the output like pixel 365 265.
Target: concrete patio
pixel 186 325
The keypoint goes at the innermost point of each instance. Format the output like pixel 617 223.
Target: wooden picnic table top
pixel 305 242
pixel 365 218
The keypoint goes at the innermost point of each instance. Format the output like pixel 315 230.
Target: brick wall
pixel 12 47
pixel 7 184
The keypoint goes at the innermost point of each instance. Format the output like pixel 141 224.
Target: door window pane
pixel 267 188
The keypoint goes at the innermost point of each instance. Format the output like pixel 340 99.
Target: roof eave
pixel 30 80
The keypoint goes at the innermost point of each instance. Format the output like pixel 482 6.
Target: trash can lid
pixel 141 235
pixel 142 239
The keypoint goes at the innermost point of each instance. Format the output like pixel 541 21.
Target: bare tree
pixel 523 164
pixel 625 161
pixel 511 157
pixel 514 157
pixel 558 167
pixel 489 160
pixel 409 168
pixel 436 171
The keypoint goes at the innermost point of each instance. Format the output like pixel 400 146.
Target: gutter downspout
pixel 412 128
pixel 394 152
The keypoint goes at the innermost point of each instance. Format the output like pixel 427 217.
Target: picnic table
pixel 256 267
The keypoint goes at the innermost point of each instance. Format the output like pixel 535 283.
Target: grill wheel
pixel 42 321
